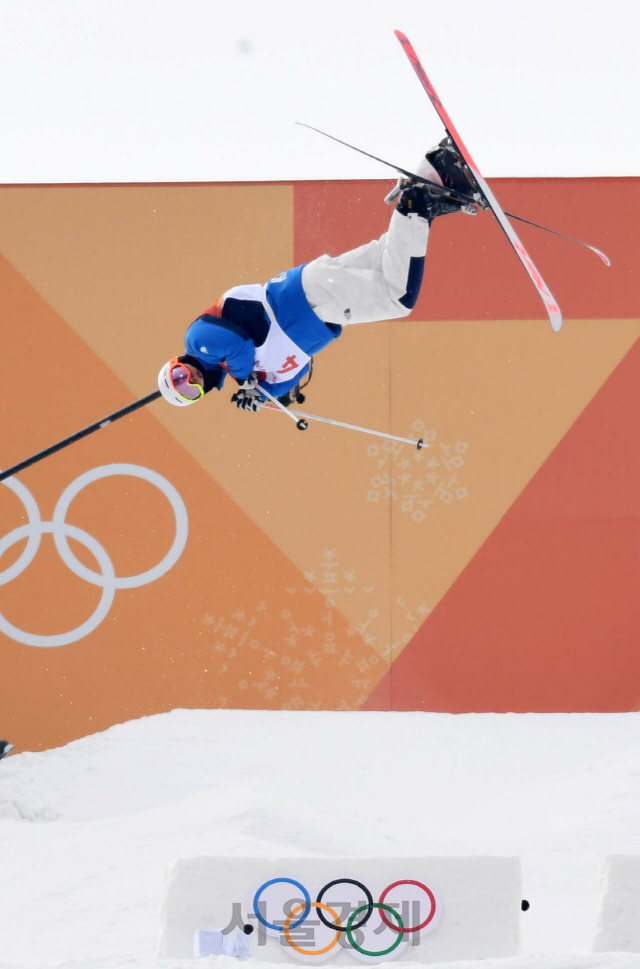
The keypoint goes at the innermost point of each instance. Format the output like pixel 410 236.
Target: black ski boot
pixel 425 199
pixel 454 172
pixel 428 204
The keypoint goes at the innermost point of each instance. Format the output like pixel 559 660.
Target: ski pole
pixel 129 409
pixel 302 419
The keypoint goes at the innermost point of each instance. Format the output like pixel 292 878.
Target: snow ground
pixel 87 830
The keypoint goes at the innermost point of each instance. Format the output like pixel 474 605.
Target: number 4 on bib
pixel 552 308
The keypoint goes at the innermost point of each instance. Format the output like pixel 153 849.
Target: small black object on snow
pixel 524 905
pixel 5 748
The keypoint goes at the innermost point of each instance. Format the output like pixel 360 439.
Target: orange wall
pixel 497 570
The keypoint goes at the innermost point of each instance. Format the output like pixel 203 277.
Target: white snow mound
pixel 559 791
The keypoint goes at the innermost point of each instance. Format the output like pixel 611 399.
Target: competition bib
pixel 279 358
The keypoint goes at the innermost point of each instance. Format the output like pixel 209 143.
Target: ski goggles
pixel 183 382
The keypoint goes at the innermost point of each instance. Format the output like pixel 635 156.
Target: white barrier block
pixel 448 908
pixel 619 920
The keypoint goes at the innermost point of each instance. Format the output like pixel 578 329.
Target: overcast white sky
pixel 209 90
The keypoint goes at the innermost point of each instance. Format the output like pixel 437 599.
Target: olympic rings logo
pixel 296 911
pixel 62 531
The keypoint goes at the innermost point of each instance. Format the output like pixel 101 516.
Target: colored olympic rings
pixel 349 881
pixel 351 925
pixel 275 881
pixel 430 916
pixel 314 952
pixel 398 928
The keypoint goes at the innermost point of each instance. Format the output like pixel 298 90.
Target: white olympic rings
pixel 106 579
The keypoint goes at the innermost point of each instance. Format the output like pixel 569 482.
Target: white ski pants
pixel 367 284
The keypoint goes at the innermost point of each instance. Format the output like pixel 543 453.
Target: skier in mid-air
pixel 267 335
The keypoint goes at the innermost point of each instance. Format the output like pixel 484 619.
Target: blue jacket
pixel 225 337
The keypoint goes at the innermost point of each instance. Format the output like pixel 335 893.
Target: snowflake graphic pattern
pixel 337 584
pixel 430 475
pixel 271 657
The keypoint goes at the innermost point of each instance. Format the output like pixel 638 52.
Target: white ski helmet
pixel 176 384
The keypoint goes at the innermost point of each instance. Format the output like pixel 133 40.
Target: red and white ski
pixel 552 308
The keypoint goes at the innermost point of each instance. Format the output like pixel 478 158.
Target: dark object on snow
pixel 524 905
pixel 5 748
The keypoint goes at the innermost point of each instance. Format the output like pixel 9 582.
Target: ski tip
pixel 555 319
pixel 401 37
pixel 601 254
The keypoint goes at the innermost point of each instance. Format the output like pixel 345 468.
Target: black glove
pixel 248 396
